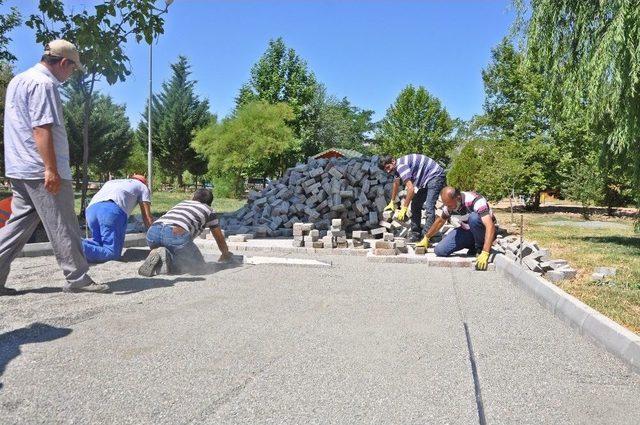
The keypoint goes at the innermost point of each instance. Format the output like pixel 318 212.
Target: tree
pixel 337 124
pixel 6 74
pixel 416 123
pixel 514 96
pixel 588 53
pixel 178 113
pixel 101 38
pixel 517 118
pixel 8 22
pixel 256 140
pixel 280 75
pixel 111 134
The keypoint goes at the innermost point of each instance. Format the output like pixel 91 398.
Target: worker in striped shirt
pixel 171 237
pixel 423 178
pixel 474 222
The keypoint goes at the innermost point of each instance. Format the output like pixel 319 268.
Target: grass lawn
pixel 602 241
pixel 162 202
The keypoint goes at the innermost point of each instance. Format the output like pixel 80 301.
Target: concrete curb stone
pixel 131 240
pixel 591 324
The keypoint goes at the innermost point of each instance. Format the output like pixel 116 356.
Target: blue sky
pixel 364 50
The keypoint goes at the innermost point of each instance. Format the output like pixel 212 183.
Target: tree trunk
pixel 85 150
pixel 180 182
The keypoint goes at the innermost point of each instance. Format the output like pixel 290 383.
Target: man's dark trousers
pixel 426 198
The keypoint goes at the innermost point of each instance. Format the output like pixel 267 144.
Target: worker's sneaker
pixel 165 261
pixel 150 267
pixel 7 291
pixel 90 287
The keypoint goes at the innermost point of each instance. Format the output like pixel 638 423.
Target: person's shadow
pixel 10 342
pixel 131 285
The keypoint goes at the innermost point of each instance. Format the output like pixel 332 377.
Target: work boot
pixel 90 287
pixel 152 264
pixel 7 291
pixel 165 261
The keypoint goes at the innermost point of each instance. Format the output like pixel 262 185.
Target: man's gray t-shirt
pixel 33 100
pixel 125 193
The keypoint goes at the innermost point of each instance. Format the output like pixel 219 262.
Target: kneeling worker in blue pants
pixel 107 216
pixel 477 225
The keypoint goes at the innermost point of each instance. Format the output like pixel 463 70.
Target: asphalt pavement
pixel 358 342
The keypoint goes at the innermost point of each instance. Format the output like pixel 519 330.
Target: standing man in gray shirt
pixel 107 216
pixel 37 164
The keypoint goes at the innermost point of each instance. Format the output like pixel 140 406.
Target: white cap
pixel 64 49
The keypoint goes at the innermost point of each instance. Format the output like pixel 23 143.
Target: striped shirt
pixel 192 216
pixel 417 168
pixel 471 202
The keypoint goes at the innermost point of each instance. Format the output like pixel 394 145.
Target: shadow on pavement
pixel 132 255
pixel 10 342
pixel 43 290
pixel 211 268
pixel 131 285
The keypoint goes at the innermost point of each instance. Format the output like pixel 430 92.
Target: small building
pixel 337 153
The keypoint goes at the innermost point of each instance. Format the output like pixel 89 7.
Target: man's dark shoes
pixel 7 291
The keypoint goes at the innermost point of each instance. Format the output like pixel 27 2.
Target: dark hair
pixel 385 160
pixel 203 195
pixel 50 60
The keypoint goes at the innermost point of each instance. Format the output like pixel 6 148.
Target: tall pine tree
pixel 177 113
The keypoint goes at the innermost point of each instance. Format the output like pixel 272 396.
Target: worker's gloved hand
pixel 482 261
pixel 424 242
pixel 391 206
pixel 402 214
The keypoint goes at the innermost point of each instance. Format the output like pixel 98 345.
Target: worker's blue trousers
pixel 108 225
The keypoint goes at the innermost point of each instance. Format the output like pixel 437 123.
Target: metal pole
pixel 511 204
pixel 521 235
pixel 150 150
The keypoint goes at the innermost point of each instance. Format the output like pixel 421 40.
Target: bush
pixel 584 184
pixel 228 187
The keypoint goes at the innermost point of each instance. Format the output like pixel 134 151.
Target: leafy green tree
pixel 101 37
pixel 514 96
pixel 585 184
pixel 337 124
pixel 255 141
pixel 280 75
pixel 111 134
pixel 416 123
pixel 588 54
pixel 136 162
pixel 516 116
pixel 178 113
pixel 6 74
pixel 8 22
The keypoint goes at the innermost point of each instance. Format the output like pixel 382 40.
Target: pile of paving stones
pixel 534 258
pixel 353 190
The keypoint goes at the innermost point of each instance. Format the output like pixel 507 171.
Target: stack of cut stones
pixel 354 190
pixel 534 258
pixel 302 230
pixel 359 238
pixel 338 234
